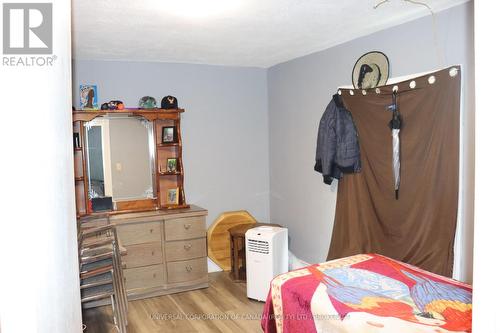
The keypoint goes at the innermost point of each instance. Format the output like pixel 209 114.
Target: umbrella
pixel 395 126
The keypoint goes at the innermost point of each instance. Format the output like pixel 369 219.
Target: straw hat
pixel 370 71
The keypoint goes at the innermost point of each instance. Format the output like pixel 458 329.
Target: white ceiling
pixel 258 33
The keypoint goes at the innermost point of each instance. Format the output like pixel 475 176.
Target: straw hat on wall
pixel 370 71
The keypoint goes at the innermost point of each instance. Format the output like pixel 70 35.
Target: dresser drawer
pixel 185 228
pixel 188 270
pixel 144 277
pixel 138 233
pixel 143 255
pixel 186 249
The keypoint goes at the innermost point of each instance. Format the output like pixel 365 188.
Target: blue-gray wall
pixel 300 89
pixel 224 128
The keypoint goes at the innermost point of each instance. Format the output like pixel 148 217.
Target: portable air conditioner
pixel 266 256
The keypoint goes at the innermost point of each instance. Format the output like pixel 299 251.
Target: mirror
pixel 120 158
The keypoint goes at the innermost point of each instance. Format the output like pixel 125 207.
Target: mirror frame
pixel 149 125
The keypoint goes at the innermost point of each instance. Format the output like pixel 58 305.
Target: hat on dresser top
pixel 147 102
pixel 169 102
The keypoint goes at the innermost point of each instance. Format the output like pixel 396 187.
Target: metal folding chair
pixel 101 274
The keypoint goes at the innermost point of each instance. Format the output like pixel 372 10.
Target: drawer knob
pixel 152 253
pixel 150 231
pixel 154 275
pixel 187 226
pixel 187 247
pixel 189 268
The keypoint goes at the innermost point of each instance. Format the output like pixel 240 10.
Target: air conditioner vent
pixel 258 246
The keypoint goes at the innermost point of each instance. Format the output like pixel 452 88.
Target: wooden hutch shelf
pixel 169 186
pixel 151 115
pixel 174 144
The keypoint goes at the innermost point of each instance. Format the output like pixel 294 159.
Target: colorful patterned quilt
pixel 366 293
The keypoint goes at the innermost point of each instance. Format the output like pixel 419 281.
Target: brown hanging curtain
pixel 419 227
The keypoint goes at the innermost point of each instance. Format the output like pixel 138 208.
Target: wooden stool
pixel 238 258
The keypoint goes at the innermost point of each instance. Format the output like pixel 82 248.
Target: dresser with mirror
pixel 129 172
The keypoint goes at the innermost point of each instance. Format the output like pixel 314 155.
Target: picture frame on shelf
pixel 88 97
pixel 173 196
pixel 168 134
pixel 172 164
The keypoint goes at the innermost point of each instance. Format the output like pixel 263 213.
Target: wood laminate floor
pixel 222 307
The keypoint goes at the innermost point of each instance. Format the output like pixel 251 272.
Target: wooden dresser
pixel 166 249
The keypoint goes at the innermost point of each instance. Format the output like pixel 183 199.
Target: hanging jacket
pixel 337 149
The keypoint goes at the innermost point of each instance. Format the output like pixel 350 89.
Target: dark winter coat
pixel 337 149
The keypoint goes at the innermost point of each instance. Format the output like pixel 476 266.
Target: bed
pixel 366 293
